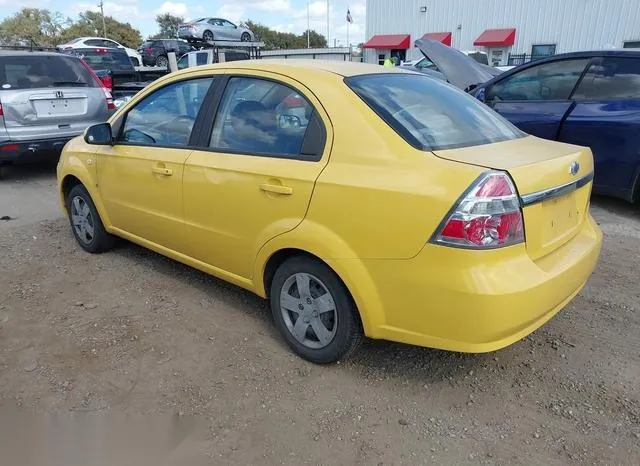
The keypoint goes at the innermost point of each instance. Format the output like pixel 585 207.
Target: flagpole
pixel 308 32
pixel 348 22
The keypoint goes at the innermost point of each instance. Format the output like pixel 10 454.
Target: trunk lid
pixel 459 69
pixel 553 180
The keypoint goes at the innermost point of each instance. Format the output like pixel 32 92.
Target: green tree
pixel 33 25
pixel 168 25
pixel 285 40
pixel 89 23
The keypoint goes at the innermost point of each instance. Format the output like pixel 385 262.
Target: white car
pixel 83 42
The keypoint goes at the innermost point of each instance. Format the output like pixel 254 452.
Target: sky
pixel 282 15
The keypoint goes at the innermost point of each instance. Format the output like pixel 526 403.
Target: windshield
pixel 430 114
pixel 40 71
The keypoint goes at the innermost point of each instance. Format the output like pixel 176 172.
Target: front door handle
pixel 276 188
pixel 162 171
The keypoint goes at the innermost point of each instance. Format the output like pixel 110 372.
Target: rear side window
pixel 201 58
pixel 43 71
pixel 612 78
pixel 430 114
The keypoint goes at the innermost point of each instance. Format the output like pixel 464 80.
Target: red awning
pixel 496 38
pixel 391 41
pixel 444 37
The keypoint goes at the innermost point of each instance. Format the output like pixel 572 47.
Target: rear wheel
pixel 314 312
pixel 162 61
pixel 85 222
pixel 207 36
pixel 245 37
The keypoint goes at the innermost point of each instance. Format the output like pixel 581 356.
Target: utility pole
pixel 328 23
pixel 104 27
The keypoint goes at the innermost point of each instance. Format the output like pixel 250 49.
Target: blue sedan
pixel 585 98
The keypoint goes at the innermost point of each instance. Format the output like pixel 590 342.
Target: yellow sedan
pixel 359 200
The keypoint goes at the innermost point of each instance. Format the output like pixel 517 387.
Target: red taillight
pixel 149 50
pixel 293 101
pixel 489 216
pixel 101 50
pixel 1 111
pixel 107 82
pixel 10 148
pixel 101 82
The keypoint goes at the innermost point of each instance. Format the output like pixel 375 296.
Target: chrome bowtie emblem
pixel 574 168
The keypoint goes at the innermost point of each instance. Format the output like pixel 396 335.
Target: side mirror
pixel 289 121
pixel 99 135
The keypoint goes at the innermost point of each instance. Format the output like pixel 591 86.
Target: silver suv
pixel 46 99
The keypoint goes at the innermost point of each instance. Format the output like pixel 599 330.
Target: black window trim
pixel 118 125
pixel 213 105
pixel 589 60
pixel 596 61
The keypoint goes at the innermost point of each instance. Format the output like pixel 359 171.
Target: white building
pixel 336 53
pixel 500 27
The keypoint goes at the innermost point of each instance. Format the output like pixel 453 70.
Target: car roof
pixel 293 66
pixel 19 53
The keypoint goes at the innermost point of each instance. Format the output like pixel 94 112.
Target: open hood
pixel 459 69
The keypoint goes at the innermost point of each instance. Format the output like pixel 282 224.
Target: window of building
pixel 381 59
pixel 612 78
pixel 549 81
pixel 543 50
pixel 632 44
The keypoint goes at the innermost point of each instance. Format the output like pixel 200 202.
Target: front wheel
pixel 245 37
pixel 314 312
pixel 85 221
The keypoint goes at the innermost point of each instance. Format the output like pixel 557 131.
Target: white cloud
pixel 267 5
pixel 176 9
pixel 125 10
pixel 232 12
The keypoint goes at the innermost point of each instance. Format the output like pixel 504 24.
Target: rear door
pixel 537 98
pixel 606 118
pixel 253 178
pixel 48 96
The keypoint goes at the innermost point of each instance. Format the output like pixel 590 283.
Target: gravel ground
pixel 133 332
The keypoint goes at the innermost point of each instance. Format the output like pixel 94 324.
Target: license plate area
pixel 59 107
pixel 561 217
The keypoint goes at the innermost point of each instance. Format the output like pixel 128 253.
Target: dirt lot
pixel 133 332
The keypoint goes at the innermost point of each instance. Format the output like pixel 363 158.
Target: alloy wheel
pixel 82 220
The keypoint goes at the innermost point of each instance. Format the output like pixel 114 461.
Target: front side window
pixel 259 116
pixel 166 117
pixel 548 81
pixel 430 114
pixel 612 78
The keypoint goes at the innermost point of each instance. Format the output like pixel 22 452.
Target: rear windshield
pixel 42 71
pixel 431 114
pixel 105 59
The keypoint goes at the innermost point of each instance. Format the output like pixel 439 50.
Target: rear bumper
pixel 31 151
pixel 472 301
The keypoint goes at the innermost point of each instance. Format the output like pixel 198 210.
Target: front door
pixel 255 180
pixel 606 118
pixel 537 99
pixel 140 176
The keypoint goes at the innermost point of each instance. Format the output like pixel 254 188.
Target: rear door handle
pixel 162 171
pixel 276 188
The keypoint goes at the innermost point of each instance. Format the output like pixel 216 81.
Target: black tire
pixel 100 240
pixel 348 332
pixel 162 61
pixel 245 37
pixel 207 36
pixel 4 171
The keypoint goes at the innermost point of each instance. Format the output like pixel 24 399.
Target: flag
pixel 349 18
